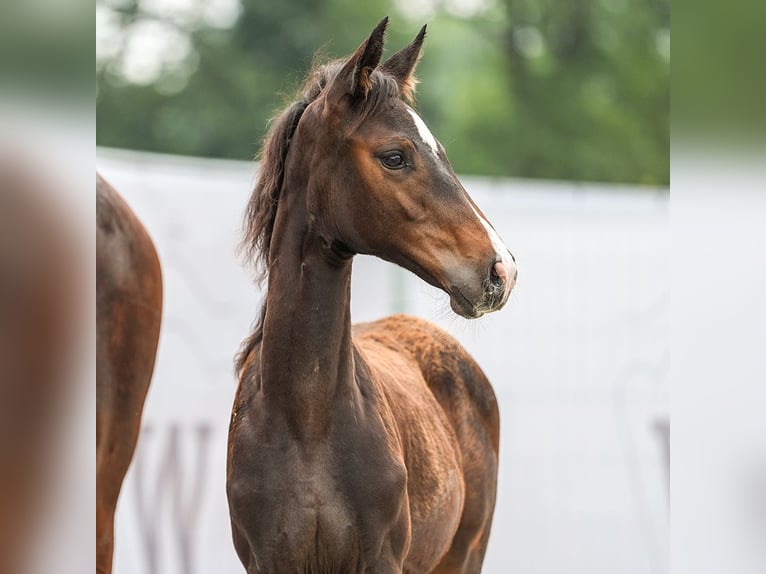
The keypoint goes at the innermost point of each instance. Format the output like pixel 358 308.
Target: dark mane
pixel 261 210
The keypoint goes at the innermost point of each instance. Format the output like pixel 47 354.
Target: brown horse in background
pixel 42 266
pixel 374 448
pixel 128 313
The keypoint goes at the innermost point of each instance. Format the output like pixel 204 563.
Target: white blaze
pixel 500 249
pixel 425 133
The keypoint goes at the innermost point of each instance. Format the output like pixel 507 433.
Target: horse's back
pixel 468 403
pixel 452 375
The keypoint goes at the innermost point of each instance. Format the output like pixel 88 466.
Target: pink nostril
pixel 500 271
pixel 501 275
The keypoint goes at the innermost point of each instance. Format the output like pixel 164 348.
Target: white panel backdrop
pixel 579 360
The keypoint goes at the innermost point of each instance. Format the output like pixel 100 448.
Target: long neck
pixel 306 353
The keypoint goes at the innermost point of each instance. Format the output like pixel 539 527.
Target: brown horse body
pixel 372 448
pixel 128 313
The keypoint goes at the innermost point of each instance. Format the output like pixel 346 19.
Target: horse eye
pixel 393 160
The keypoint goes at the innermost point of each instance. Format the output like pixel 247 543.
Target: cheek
pixel 399 196
pixel 385 207
pixel 392 204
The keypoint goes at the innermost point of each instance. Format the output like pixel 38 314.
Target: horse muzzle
pixel 487 295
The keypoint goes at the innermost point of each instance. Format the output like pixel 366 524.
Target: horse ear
pixel 354 76
pixel 402 64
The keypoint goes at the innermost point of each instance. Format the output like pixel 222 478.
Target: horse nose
pixel 498 274
pixel 500 277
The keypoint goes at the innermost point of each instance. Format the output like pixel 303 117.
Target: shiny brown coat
pixel 374 448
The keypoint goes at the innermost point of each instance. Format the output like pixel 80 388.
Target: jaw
pixel 465 302
pixel 465 308
pixel 461 305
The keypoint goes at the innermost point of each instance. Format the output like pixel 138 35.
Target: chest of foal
pixel 334 502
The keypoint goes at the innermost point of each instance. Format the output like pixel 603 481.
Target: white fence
pixel 579 360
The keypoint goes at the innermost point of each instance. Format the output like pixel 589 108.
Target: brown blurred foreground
pixel 40 328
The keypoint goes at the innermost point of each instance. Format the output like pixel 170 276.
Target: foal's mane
pixel 261 210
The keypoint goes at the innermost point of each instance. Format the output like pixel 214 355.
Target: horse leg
pixel 105 538
pixel 385 566
pixel 117 430
pixel 242 547
pixel 113 458
pixel 466 554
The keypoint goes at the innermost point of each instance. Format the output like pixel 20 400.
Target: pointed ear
pixel 402 65
pixel 354 77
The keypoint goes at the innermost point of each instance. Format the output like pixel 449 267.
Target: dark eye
pixel 393 160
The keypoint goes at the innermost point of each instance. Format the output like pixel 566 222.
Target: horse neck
pixel 306 352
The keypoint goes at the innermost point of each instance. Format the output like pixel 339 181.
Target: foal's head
pixel 379 183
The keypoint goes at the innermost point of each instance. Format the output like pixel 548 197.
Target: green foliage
pixel 45 51
pixel 533 88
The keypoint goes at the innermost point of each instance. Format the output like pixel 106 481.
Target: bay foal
pixel 373 448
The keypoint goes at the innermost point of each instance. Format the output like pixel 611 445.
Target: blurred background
pixel 575 90
pixel 556 117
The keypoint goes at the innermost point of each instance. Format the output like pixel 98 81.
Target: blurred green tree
pixel 573 90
